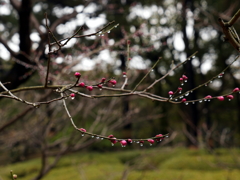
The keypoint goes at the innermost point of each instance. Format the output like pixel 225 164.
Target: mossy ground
pixel 156 163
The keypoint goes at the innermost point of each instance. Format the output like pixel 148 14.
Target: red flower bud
pixel 151 141
pixel 90 88
pixel 230 97
pixel 123 143
pixel 103 80
pixel 220 98
pixel 81 84
pixel 236 90
pixel 183 100
pixel 113 82
pixel 77 75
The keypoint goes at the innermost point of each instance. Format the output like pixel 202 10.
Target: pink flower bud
pixel 103 80
pixel 113 141
pixel 184 77
pixel 81 84
pixel 82 129
pixel 183 100
pixel 90 88
pixel 160 137
pixel 151 141
pixel 72 95
pixel 129 141
pixel 124 74
pixel 236 90
pixel 77 75
pixel 220 98
pixel 181 79
pixel 123 143
pixel 230 97
pixel 208 97
pixel 113 82
pixel 100 86
pixel 179 90
pixel 128 42
pixel 170 93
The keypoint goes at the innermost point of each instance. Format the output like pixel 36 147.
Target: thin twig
pixel 147 74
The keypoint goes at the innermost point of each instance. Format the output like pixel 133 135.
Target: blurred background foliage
pixel 169 29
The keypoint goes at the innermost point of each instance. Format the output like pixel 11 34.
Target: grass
pixel 157 163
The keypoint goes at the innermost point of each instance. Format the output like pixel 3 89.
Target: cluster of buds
pixel 124 142
pixel 183 79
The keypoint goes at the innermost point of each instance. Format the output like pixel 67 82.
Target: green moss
pixel 157 163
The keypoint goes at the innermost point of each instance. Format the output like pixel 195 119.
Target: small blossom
pixel 208 97
pixel 82 84
pixel 113 141
pixel 179 90
pixel 128 42
pixel 236 90
pixel 230 97
pixel 123 143
pixel 185 78
pixel 160 137
pixel 77 75
pixel 90 88
pixel 83 130
pixel 170 93
pixel 103 80
pixel 220 98
pixel 124 74
pixel 99 86
pixel 72 95
pixel 113 82
pixel 151 141
pixel 183 100
pixel 129 141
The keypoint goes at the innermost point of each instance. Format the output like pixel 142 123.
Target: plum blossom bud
pixel 183 100
pixel 236 90
pixel 99 86
pixel 77 75
pixel 129 141
pixel 81 84
pixel 179 90
pixel 72 95
pixel 113 81
pixel 170 93
pixel 208 97
pixel 220 98
pixel 82 130
pixel 113 141
pixel 103 80
pixel 124 74
pixel 185 78
pixel 160 137
pixel 181 81
pixel 128 42
pixel 230 97
pixel 151 141
pixel 90 88
pixel 123 143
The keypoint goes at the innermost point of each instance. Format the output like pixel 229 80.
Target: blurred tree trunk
pixel 127 129
pixel 191 110
pixel 18 74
